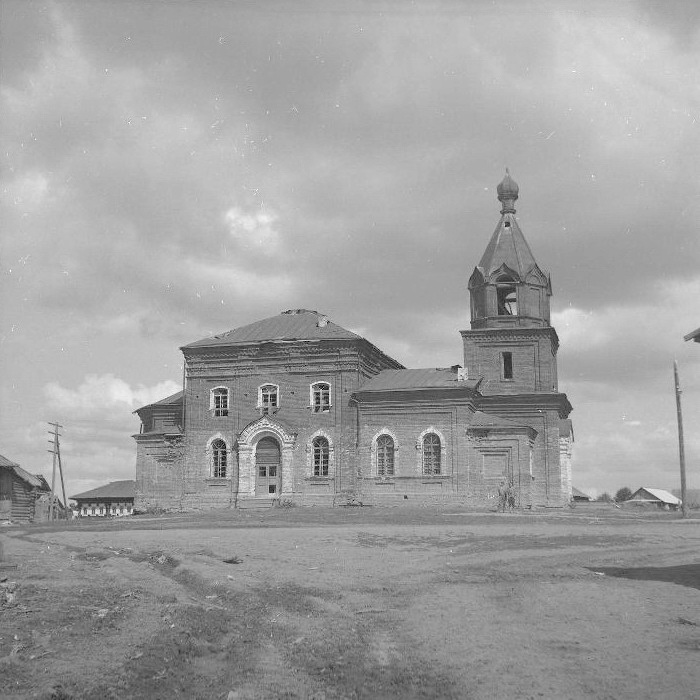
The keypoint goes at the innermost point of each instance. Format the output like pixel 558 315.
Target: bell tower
pixel 511 343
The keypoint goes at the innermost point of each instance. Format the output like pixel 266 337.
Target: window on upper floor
pixel 507 300
pixel 385 456
pixel 219 459
pixel 268 398
pixel 321 397
pixel 431 454
pixel 219 401
pixel 507 365
pixel 321 455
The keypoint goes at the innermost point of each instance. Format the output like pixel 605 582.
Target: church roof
pixel 507 247
pixel 115 489
pixel 428 378
pixel 486 420
pixel 295 324
pixel 173 400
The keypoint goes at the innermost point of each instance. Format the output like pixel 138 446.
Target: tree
pixel 623 494
pixel 605 497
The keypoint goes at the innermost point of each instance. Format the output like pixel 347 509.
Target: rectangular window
pixel 268 398
pixel 321 397
pixel 220 402
pixel 507 365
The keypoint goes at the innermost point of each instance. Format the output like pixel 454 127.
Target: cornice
pixel 526 402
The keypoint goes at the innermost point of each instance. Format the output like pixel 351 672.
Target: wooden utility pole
pixel 56 461
pixel 681 446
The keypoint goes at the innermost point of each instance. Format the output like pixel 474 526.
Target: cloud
pixel 102 394
pixel 253 231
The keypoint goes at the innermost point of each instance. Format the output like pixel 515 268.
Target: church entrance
pixel 267 467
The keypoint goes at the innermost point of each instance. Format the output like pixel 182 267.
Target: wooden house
pixel 19 491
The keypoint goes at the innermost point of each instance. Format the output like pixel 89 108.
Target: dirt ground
pixel 353 603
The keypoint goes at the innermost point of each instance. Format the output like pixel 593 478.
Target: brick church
pixel 299 409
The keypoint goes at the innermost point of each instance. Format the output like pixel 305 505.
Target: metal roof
pixel 295 324
pixel 659 495
pixel 174 400
pixel 695 335
pixel 428 378
pixel 115 489
pixel 507 247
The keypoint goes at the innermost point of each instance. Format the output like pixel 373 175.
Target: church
pixel 298 410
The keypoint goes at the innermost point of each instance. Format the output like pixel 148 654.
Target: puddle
pixel 683 575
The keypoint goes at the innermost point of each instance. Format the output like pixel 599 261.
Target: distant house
pixel 19 492
pixel 116 498
pixel 577 495
pixel 657 497
pixel 695 335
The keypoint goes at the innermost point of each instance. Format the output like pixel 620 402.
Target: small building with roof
pixel 114 499
pixel 296 407
pixel 693 335
pixel 20 492
pixel 656 497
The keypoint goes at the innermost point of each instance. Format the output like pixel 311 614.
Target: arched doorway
pixel 267 467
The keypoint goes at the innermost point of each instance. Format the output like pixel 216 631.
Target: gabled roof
pixel 115 489
pixel 695 335
pixel 37 481
pixel 4 462
pixel 295 324
pixel 657 495
pixel 577 493
pixel 428 378
pixel 174 400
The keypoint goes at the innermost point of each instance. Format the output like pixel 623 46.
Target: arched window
pixel 321 454
pixel 431 454
pixel 385 456
pixel 219 457
pixel 268 400
pixel 219 401
pixel 507 300
pixel 321 397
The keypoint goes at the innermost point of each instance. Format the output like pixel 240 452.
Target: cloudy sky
pixel 172 169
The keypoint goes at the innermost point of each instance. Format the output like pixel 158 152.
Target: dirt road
pixel 353 603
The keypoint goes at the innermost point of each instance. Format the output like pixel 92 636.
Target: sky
pixel 174 169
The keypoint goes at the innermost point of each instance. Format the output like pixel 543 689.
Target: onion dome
pixel 507 193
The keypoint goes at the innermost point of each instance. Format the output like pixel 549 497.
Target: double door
pixel 267 467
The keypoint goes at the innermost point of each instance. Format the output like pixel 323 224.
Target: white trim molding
pixel 212 403
pixel 209 451
pixel 373 452
pixel 260 406
pixel 247 446
pixel 310 456
pixel 312 405
pixel 419 451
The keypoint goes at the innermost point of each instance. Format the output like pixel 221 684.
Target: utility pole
pixel 681 446
pixel 56 461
